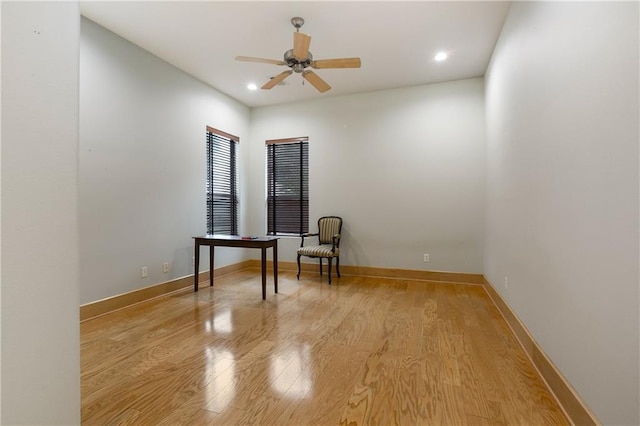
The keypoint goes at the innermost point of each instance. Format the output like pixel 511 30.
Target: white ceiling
pixel 395 40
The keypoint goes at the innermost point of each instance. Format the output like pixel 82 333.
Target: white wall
pixel 404 168
pixel 143 165
pixel 562 190
pixel 0 218
pixel 40 331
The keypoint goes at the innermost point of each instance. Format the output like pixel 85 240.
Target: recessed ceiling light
pixel 441 56
pixel 252 86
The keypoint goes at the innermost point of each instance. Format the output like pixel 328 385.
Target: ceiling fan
pixel 299 59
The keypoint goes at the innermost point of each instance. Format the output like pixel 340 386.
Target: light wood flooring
pixel 362 351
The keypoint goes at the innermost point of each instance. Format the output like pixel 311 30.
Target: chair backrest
pixel 328 226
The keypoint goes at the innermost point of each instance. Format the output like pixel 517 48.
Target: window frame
pixel 230 172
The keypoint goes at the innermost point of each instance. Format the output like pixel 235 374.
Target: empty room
pixel 445 195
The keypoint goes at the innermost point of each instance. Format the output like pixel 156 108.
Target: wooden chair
pixel 329 228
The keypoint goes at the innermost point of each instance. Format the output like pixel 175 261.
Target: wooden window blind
pixel 287 186
pixel 222 183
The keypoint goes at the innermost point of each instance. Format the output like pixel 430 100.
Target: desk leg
pixel 263 264
pixel 211 249
pixel 275 266
pixel 196 263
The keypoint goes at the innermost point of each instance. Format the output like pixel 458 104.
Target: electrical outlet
pixel 506 283
pixel 193 261
pixel 143 272
pixel 426 257
pixel 165 267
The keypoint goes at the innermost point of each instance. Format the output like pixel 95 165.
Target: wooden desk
pixel 235 241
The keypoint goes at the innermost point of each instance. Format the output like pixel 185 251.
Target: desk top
pixel 230 238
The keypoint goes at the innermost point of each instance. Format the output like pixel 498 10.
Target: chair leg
pixel 298 266
pixel 338 266
pixel 329 273
pixel 320 260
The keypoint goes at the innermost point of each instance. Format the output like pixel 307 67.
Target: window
pixel 222 183
pixel 288 186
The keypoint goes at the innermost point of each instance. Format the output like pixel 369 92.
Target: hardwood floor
pixel 361 351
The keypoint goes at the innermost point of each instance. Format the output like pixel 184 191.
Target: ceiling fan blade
pixel 301 42
pixel 261 60
pixel 337 63
pixel 316 81
pixel 277 79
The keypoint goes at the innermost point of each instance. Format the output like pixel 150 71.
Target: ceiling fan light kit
pixel 299 58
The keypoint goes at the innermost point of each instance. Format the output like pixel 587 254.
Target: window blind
pixel 222 183
pixel 287 186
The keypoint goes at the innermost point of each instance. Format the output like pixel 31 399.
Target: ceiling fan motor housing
pixel 295 64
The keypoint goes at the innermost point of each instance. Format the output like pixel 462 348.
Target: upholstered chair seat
pixel 328 247
pixel 323 250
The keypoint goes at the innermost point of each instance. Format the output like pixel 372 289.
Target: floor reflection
pixel 221 369
pixel 291 373
pixel 221 323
